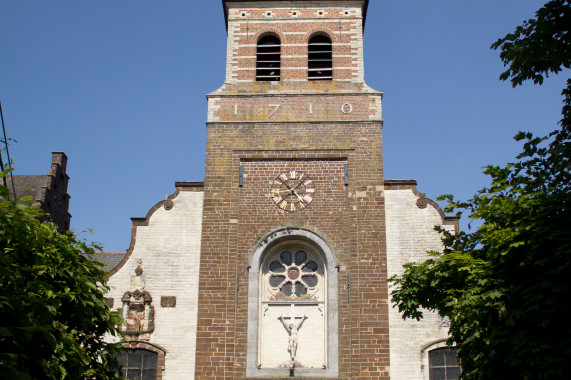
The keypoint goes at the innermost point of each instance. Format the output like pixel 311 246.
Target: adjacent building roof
pixel 27 185
pixel 49 191
pixel 109 259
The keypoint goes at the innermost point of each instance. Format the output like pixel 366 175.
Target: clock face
pixel 292 191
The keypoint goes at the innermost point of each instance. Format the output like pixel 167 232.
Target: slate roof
pixel 109 259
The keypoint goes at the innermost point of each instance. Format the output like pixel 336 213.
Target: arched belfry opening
pixel 292 305
pixel 319 58
pixel 268 58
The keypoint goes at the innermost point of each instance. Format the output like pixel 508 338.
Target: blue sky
pixel 120 87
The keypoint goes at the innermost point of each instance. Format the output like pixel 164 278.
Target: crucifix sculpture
pixel 292 327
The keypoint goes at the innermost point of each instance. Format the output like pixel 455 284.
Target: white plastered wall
pixel 410 233
pixel 169 247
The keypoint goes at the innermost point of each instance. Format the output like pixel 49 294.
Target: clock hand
pixel 298 196
pixel 292 190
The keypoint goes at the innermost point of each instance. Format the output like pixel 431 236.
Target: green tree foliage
pixel 53 315
pixel 506 286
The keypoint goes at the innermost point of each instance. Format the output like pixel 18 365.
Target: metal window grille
pixel 443 364
pixel 139 364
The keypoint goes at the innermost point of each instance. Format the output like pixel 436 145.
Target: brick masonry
pixel 316 127
pixel 350 218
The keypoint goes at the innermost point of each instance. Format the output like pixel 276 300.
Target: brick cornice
pixel 189 186
pixel 365 6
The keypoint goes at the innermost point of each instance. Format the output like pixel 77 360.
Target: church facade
pixel 276 265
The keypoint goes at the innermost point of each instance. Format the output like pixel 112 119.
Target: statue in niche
pixel 139 280
pixel 292 327
pixel 137 311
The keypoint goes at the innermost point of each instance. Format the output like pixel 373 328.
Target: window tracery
pixel 293 276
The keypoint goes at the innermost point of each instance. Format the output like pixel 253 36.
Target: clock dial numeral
pixel 292 191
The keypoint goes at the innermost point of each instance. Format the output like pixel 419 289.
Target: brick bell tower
pixel 293 263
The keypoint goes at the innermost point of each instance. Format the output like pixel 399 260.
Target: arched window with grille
pixel 443 364
pixel 320 58
pixel 268 60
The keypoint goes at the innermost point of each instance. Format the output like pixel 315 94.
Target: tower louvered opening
pixel 268 59
pixel 320 58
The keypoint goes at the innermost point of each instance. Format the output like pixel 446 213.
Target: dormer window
pixel 320 58
pixel 268 59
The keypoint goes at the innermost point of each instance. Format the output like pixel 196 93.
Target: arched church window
pixel 320 58
pixel 443 364
pixel 293 309
pixel 268 60
pixel 139 364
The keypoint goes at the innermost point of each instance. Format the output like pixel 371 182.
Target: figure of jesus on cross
pixel 292 327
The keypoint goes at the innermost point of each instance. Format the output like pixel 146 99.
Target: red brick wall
pixel 350 218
